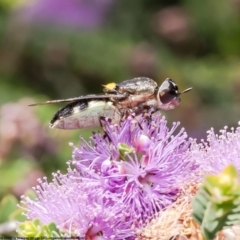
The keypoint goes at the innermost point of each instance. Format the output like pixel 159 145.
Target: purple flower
pixel 155 167
pixel 219 151
pixel 117 182
pixel 78 208
pixel 213 155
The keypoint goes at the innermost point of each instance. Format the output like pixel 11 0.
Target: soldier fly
pixel 136 96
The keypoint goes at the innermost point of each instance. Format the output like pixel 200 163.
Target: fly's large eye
pixel 168 91
pixel 166 97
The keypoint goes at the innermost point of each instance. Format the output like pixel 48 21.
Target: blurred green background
pixel 53 49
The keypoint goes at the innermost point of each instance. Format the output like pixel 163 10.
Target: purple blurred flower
pixel 120 181
pixel 70 13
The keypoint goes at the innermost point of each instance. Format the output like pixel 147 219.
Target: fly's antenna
pixel 186 90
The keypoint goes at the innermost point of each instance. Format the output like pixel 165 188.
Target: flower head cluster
pixel 218 151
pixel 120 180
pixel 78 209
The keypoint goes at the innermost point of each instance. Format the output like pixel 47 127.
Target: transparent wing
pixel 91 96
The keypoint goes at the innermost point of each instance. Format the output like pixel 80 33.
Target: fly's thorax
pixel 140 85
pixel 136 103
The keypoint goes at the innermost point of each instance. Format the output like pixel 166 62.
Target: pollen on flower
pixel 176 222
pixel 172 222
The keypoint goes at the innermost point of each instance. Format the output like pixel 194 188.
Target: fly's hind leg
pixel 102 121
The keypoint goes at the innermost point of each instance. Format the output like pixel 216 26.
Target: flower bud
pixel 142 143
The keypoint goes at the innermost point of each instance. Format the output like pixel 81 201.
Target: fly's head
pixel 168 96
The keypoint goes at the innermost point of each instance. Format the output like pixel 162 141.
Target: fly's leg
pixel 147 117
pixel 102 120
pixel 128 113
pixel 147 114
pixel 138 123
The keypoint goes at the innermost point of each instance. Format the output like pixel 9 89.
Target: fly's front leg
pixel 147 114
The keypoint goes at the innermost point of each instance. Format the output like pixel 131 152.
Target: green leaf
pixel 216 204
pixel 36 229
pixel 7 206
pixel 13 171
pixel 17 215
